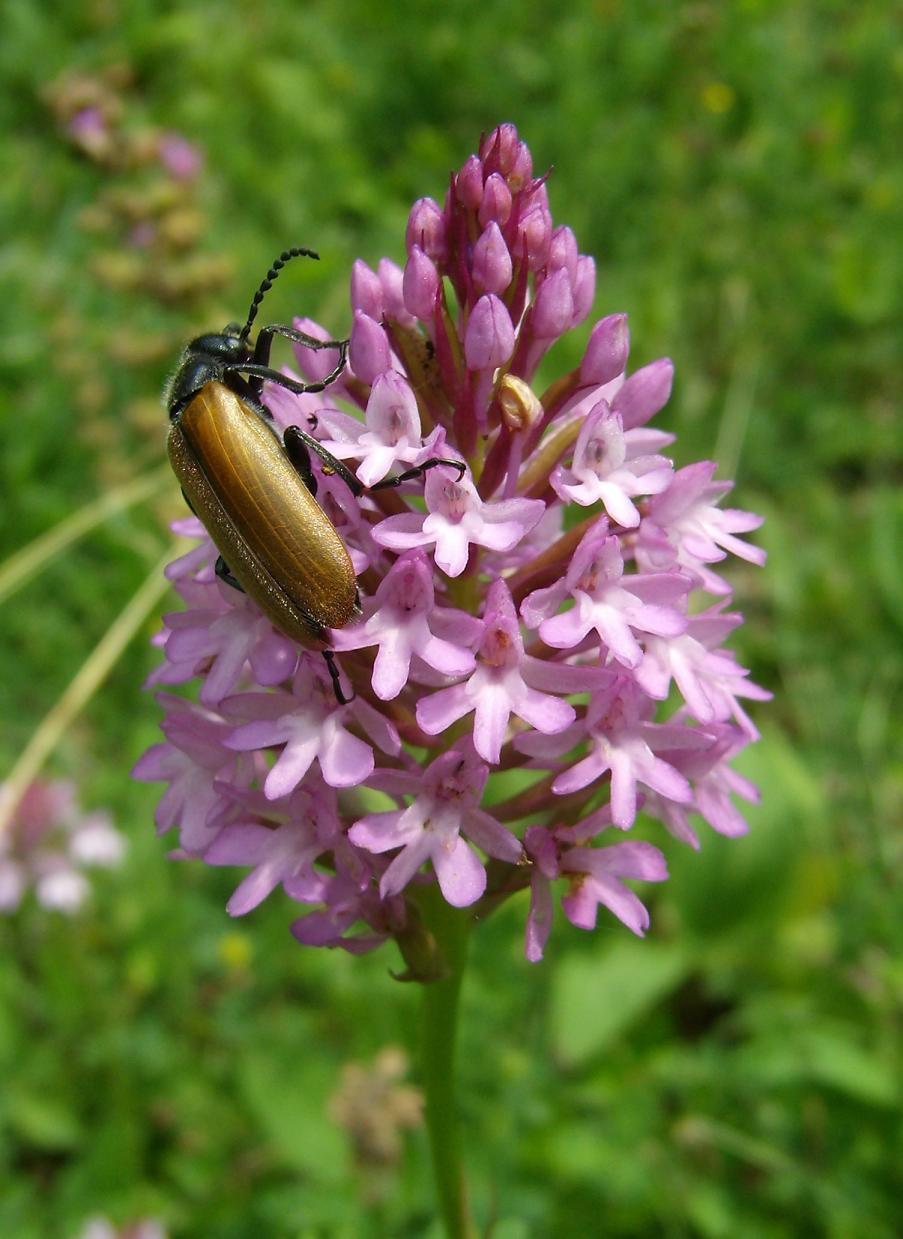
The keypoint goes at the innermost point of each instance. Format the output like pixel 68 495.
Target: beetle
pixel 254 491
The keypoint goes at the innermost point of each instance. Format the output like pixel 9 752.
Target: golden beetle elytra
pixel 255 492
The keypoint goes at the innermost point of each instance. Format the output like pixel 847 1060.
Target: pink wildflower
pixel 493 633
pixel 48 843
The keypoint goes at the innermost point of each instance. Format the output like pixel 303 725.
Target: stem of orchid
pixel 450 927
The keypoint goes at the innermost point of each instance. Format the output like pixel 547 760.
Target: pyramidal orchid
pixel 550 610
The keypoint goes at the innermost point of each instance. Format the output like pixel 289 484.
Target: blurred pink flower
pixel 181 158
pixel 47 845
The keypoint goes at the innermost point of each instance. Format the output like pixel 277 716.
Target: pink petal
pixel 291 766
pixel 624 904
pixel 582 774
pixel 346 761
pixel 239 845
pixel 438 711
pixel 401 533
pixel 392 665
pixel 488 834
pixel 547 714
pixel 565 631
pixel 379 832
pixel 539 918
pixel 665 780
pixel 253 889
pixel 452 546
pixel 405 866
pixel 493 710
pixel 447 658
pixel 618 506
pixel 462 879
pixel 623 790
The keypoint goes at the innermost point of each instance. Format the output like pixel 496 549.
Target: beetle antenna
pixel 267 283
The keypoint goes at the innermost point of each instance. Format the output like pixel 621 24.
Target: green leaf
pixel 43 1122
pixel 597 996
pixel 289 1099
pixel 739 886
pixel 834 1058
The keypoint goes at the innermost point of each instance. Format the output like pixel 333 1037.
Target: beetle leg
pixel 336 680
pixel 224 573
pixel 265 342
pixel 254 371
pixel 297 452
pixel 418 470
pixel 297 441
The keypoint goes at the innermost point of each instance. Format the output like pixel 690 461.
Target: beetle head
pixel 216 357
pixel 204 361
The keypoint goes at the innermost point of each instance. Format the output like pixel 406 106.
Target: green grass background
pixel 735 170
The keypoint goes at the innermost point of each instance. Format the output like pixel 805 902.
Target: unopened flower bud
pixel 521 168
pixel 469 184
pixel 491 261
pixel 644 393
pixel 563 252
pixel 506 147
pixel 521 408
pixel 366 290
pixel 554 306
pixel 606 351
pixel 534 231
pixel 426 228
pixel 369 348
pixel 583 288
pixel 538 196
pixel 421 279
pixel 314 363
pixel 496 204
pixel 391 279
pixel 503 152
pixel 489 340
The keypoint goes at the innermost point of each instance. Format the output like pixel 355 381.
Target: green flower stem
pixel 450 928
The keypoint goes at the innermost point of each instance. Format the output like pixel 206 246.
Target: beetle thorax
pixel 205 360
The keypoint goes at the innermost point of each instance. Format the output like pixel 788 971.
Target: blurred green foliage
pixel 735 170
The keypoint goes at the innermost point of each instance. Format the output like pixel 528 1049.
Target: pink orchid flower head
pixel 540 651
